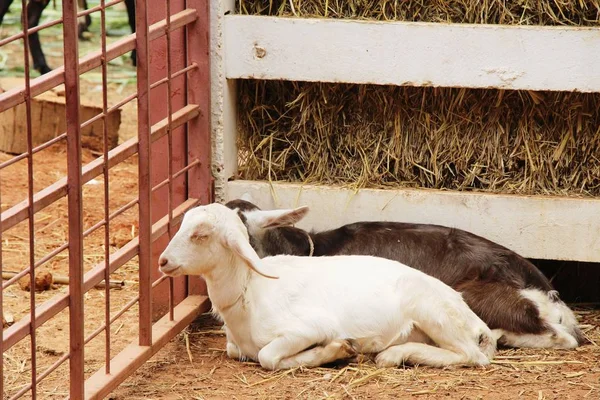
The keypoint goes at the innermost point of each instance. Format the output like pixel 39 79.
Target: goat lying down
pixel 504 289
pixel 288 311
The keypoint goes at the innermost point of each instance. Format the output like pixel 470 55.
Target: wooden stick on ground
pixel 64 280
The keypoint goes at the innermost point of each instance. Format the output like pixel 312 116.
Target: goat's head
pixel 208 237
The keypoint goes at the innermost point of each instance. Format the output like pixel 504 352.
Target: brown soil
pixel 51 231
pixel 205 372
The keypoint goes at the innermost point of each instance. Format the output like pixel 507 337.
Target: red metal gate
pixel 173 150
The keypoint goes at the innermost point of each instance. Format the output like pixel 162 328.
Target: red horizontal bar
pixel 16 96
pixel 38 28
pixel 33 151
pixel 52 307
pixel 64 246
pixel 41 377
pixel 122 311
pixel 97 117
pixel 175 75
pixel 57 190
pixel 133 356
pixel 109 110
pixel 177 174
pixel 98 8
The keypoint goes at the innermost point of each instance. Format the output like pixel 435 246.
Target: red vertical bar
pixel 170 155
pixel 30 212
pixel 106 188
pixel 74 183
pixel 144 174
pixel 198 130
pixel 162 296
pixel 1 308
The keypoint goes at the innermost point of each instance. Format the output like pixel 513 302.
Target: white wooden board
pixel 556 228
pixel 415 54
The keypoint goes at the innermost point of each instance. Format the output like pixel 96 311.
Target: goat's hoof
pixel 233 351
pixel 43 69
pixel 348 348
pixel 386 360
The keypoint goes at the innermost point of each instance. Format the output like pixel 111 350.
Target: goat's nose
pixel 163 261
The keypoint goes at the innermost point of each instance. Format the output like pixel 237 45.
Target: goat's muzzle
pixel 165 267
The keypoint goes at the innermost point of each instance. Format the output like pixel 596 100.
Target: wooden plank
pixel 544 227
pixel 413 54
pixel 133 356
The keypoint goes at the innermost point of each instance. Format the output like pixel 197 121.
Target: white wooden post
pixel 223 102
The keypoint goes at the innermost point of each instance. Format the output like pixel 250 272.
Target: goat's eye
pixel 199 237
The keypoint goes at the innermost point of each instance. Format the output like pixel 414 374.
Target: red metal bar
pixel 38 28
pixel 199 184
pixel 109 110
pixel 99 385
pixel 56 304
pixel 94 119
pixel 176 175
pixel 144 174
pixel 35 150
pixel 75 205
pixel 1 307
pixel 101 8
pixel 30 212
pixel 102 327
pixel 41 377
pixel 57 190
pixel 170 149
pixel 162 157
pixel 16 96
pixel 64 246
pixel 106 187
pixel 175 75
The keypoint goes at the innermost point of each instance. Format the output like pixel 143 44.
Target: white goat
pixel 318 310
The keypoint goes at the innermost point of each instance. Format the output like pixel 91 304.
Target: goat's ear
pixel 240 245
pixel 277 218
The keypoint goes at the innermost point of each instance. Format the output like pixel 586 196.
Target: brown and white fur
pixel 504 289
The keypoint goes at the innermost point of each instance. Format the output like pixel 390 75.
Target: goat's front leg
pixel 290 352
pixel 233 351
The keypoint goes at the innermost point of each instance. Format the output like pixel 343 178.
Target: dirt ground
pixel 195 366
pixel 51 223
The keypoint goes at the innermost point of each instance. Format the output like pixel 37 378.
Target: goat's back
pixel 451 255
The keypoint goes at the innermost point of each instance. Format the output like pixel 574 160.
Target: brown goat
pixel 504 289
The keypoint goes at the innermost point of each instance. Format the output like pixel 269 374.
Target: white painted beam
pixel 545 227
pixel 414 54
pixel 222 103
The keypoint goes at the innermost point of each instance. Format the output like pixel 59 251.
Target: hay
pixel 508 12
pixel 377 136
pixel 443 138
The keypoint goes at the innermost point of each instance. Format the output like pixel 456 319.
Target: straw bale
pixel 377 136
pixel 443 138
pixel 509 12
